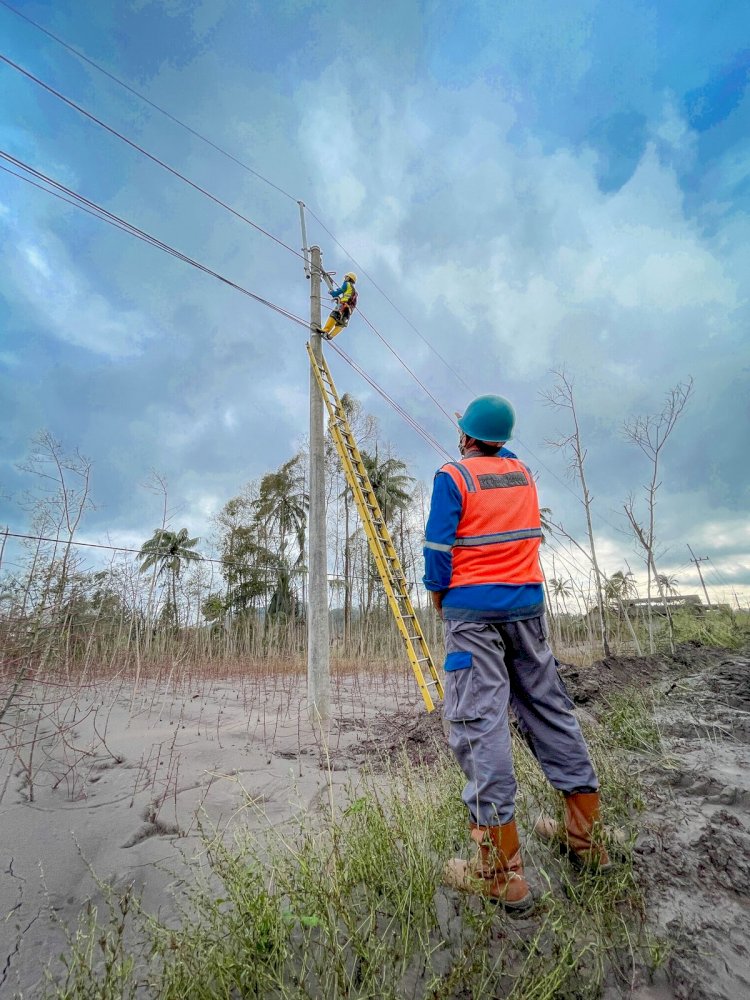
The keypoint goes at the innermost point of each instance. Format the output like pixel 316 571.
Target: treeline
pixel 242 591
pixel 248 597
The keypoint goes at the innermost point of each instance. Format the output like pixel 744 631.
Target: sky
pixel 534 186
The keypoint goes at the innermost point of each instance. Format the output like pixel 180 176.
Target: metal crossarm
pixel 378 537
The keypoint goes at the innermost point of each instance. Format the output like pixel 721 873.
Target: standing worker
pixel 482 568
pixel 346 303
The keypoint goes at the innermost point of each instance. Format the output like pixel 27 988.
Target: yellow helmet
pixel 350 276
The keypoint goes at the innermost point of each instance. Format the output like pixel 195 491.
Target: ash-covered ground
pixel 106 779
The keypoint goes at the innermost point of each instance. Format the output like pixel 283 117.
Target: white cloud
pixel 55 289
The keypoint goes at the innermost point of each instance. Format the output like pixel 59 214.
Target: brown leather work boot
pixel 582 839
pixel 497 870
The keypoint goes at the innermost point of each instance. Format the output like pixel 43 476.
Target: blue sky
pixel 533 184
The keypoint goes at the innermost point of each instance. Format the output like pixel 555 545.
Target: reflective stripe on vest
pixel 502 536
pixel 499 531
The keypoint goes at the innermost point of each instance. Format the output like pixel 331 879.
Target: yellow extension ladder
pixel 378 537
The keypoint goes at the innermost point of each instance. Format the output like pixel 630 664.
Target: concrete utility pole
pixel 318 646
pixel 698 567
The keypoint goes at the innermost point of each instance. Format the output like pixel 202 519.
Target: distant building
pixel 632 606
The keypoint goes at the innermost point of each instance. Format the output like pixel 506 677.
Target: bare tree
pixel 57 505
pixel 650 434
pixel 562 397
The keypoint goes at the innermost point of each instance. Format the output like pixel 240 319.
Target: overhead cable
pixel 80 201
pixel 192 131
pixel 136 93
pixel 150 156
pixel 234 159
pixel 98 211
pixel 425 434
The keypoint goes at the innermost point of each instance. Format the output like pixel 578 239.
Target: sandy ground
pixel 115 781
pixel 102 779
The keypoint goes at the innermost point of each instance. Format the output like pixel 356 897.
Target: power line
pixel 98 211
pixel 244 218
pixel 255 173
pixel 408 369
pixel 239 215
pixel 56 194
pixel 87 545
pixel 218 201
pixel 150 156
pixel 213 198
pixel 109 217
pixel 142 97
pixel 716 572
pixel 433 442
pixel 267 574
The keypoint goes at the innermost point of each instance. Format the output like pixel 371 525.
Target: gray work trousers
pixel 488 666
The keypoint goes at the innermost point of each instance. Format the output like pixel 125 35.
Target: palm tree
pixel 619 587
pixel 281 510
pixel 282 505
pixel 166 551
pixel 668 584
pixel 389 483
pixel 560 588
pixel 545 518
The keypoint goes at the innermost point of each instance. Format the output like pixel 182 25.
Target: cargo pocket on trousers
pixel 460 703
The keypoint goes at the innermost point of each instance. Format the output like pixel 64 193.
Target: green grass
pixel 722 628
pixel 351 906
pixel 629 721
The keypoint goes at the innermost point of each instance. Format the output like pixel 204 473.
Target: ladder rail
pixel 378 537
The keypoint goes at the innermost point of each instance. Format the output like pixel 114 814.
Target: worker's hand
pixel 437 601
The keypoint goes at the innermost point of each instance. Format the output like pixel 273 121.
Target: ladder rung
pixel 379 538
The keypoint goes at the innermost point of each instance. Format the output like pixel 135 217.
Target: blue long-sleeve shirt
pixel 477 602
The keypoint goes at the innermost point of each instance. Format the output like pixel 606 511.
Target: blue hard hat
pixel 488 418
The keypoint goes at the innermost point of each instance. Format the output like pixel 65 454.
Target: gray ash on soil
pixel 613 674
pixel 693 849
pixel 409 733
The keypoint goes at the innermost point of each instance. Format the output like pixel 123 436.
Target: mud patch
pixel 414 734
pixel 593 685
pixel 694 848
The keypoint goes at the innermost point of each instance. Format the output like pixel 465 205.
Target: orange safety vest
pixel 499 531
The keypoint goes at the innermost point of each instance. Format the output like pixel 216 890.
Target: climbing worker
pixel 482 569
pixel 346 303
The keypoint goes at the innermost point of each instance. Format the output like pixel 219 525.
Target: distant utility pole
pixel 318 645
pixel 697 562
